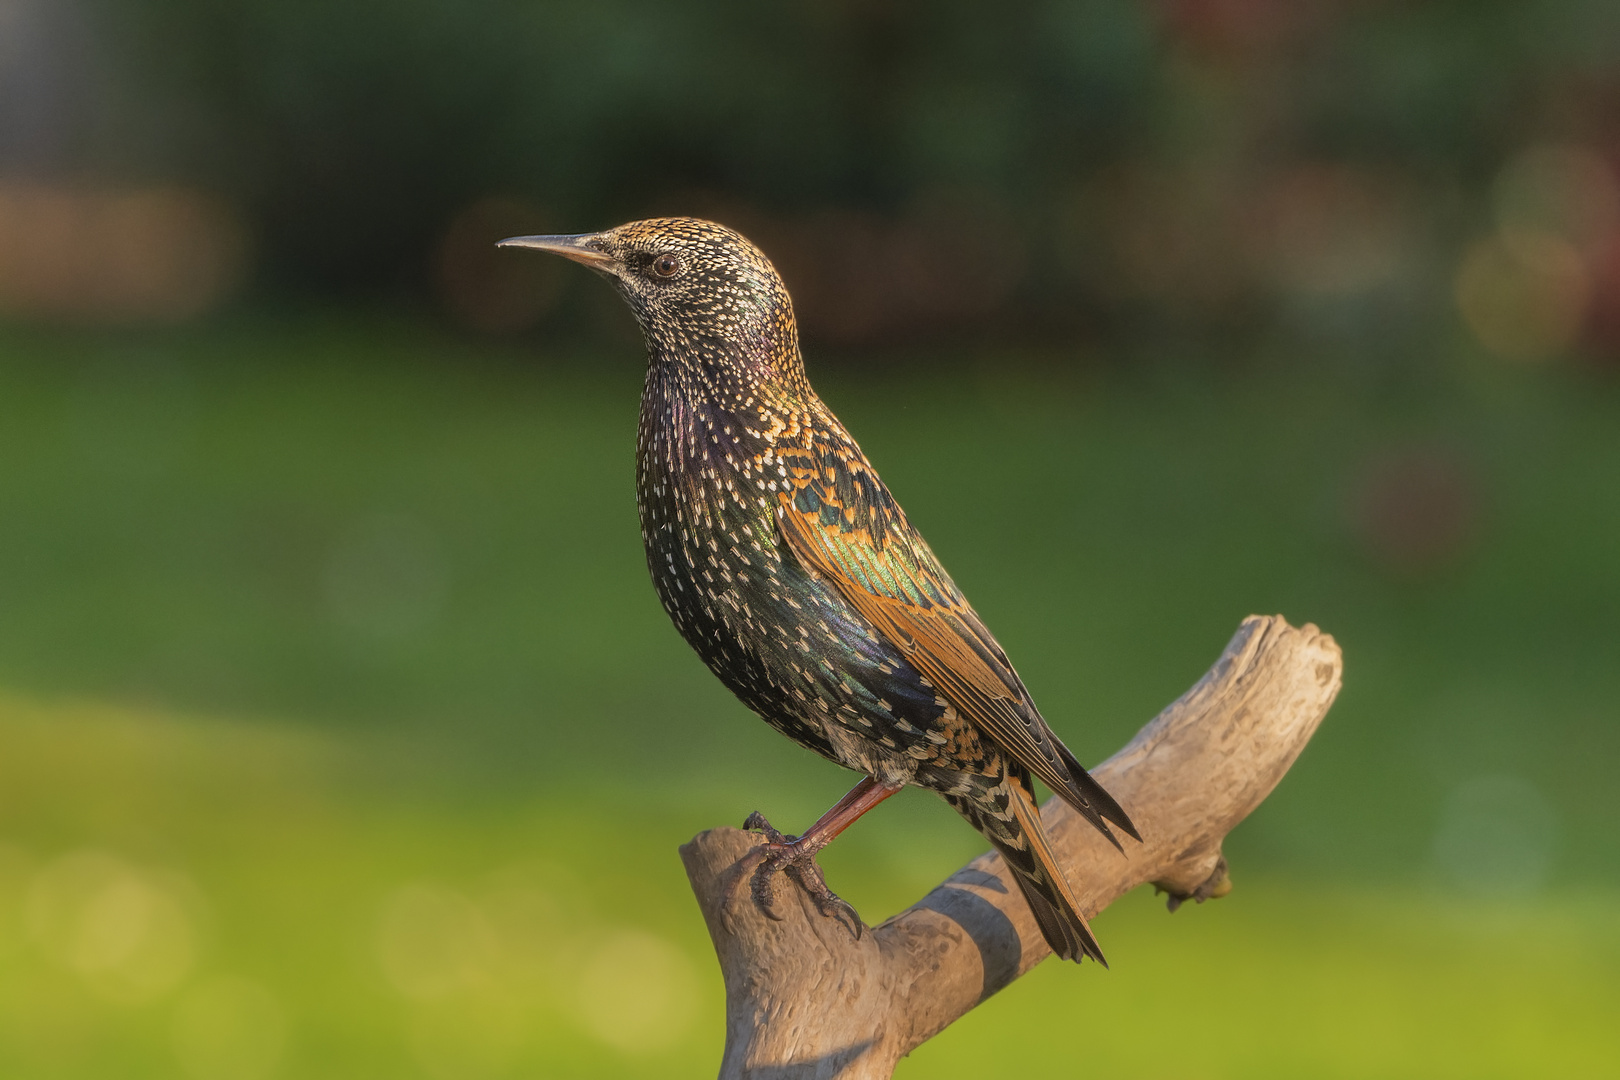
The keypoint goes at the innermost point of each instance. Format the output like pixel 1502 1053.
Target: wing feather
pixel 838 519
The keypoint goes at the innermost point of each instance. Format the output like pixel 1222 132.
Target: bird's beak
pixel 579 248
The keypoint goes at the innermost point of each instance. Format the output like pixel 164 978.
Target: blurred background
pixel 341 735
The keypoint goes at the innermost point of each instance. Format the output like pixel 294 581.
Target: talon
pixel 756 822
pixel 813 880
pixel 760 888
pixel 743 870
pixel 790 855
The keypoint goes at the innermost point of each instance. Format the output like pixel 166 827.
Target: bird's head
pixel 694 286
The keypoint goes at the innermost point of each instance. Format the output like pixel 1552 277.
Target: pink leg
pixel 797 854
pixel 845 812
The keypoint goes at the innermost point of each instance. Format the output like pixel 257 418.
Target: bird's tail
pixel 1010 820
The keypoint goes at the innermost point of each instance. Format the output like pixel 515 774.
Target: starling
pixel 785 562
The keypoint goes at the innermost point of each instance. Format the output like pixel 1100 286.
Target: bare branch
pixel 806 999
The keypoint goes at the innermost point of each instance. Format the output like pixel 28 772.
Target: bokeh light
pixel 130 933
pixel 160 255
pixel 1523 294
pixel 483 968
pixel 1527 292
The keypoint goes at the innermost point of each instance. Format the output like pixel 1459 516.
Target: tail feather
pixel 1015 830
pixel 1100 805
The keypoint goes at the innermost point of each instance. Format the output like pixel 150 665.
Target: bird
pixel 788 566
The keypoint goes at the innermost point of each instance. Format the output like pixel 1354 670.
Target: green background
pixel 341 733
pixel 333 673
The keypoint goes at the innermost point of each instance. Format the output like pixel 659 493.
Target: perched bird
pixel 786 564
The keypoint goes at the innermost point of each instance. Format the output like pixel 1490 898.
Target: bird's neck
pixel 740 374
pixel 698 415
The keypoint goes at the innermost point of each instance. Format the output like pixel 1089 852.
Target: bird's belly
pixel 746 624
pixel 796 653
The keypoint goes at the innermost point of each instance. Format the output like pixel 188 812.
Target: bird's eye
pixel 666 265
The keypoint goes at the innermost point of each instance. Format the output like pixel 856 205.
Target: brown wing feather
pixel 839 520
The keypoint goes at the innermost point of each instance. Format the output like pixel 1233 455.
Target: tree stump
pixel 807 999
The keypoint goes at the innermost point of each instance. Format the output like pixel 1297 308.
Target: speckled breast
pixel 777 636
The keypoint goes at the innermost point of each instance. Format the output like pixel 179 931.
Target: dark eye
pixel 666 265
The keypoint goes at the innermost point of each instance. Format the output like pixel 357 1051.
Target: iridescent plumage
pixel 791 570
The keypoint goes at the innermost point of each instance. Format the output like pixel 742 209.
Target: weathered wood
pixel 806 999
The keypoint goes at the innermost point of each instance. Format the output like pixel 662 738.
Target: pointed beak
pixel 584 248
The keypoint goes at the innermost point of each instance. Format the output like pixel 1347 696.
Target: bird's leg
pixel 797 854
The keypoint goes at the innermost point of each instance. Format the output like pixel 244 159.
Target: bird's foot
pixel 795 856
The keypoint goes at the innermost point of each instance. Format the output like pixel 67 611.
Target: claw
pixel 756 822
pixel 788 854
pixel 813 880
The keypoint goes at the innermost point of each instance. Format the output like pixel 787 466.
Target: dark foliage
pixel 1039 163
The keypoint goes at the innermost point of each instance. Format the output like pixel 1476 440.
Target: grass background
pixel 342 736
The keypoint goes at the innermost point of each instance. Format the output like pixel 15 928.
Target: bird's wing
pixel 839 519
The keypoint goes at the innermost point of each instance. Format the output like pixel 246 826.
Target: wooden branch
pixel 806 999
